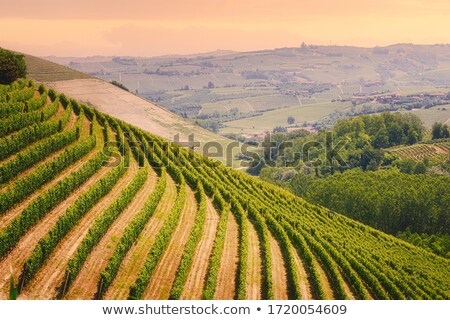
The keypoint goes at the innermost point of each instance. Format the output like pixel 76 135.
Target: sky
pixel 152 28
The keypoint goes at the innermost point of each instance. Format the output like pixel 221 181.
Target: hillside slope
pixel 135 110
pixel 65 217
pixel 121 104
pixel 43 70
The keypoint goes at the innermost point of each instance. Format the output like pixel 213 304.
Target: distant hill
pixel 253 92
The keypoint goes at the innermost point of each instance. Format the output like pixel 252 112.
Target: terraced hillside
pixel 423 150
pixel 94 208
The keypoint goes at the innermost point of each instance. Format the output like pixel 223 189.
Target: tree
pixel 290 120
pixel 373 165
pixel 210 85
pixel 279 129
pixel 12 66
pixel 445 132
pixel 395 134
pixel 436 130
pixel 381 139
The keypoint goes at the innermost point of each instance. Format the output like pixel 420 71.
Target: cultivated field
pixel 422 151
pixel 161 221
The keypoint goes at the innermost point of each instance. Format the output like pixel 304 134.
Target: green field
pixel 273 118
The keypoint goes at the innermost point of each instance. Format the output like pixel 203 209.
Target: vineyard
pixel 94 208
pixel 422 151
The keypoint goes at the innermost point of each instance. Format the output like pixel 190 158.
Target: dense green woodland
pixel 385 199
pixel 362 180
pixel 352 143
pixel 12 66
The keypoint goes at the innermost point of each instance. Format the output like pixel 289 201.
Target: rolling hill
pixel 423 150
pixel 94 207
pixel 253 92
pixel 121 104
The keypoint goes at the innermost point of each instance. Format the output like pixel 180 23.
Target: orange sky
pixel 148 27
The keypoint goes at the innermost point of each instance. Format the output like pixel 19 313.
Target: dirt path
pixel 305 286
pixel 51 275
pixel 348 291
pixel 21 252
pixel 86 126
pixel 254 279
pixel 6 219
pixel 279 275
pixel 195 281
pixel 226 283
pixel 326 285
pixel 85 285
pixel 135 258
pixel 164 274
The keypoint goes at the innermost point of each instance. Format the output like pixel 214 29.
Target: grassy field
pixel 432 115
pixel 273 118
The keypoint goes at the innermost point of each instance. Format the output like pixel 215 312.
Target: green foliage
pixel 120 85
pixel 438 244
pixel 387 199
pixel 130 235
pixel 35 154
pixel 12 289
pixel 266 254
pixel 354 256
pixel 12 66
pixel 355 142
pixel 39 207
pixel 241 217
pixel 191 246
pixel 22 120
pixel 14 107
pixel 52 94
pixel 439 131
pixel 67 221
pixel 101 226
pixel 23 187
pixel 215 259
pixel 161 242
pixel 20 139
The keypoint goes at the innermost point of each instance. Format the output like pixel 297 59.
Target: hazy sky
pixel 148 28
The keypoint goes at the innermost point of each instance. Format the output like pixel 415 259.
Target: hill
pixel 94 207
pixel 43 70
pixel 251 92
pixel 421 151
pixel 124 105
